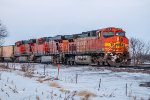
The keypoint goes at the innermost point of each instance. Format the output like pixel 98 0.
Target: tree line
pixel 139 51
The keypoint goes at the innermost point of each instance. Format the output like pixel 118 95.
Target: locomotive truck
pixel 107 46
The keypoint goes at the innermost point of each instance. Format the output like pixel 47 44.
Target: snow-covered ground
pixel 74 83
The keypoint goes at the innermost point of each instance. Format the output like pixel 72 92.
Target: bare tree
pixel 146 52
pixel 3 33
pixel 133 42
pixel 139 49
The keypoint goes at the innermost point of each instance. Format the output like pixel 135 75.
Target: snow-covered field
pixel 31 82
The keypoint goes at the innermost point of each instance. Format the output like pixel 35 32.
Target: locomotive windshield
pixel 120 33
pixel 108 34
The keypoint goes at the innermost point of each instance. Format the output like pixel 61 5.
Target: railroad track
pixel 147 66
pixel 136 67
pixel 130 66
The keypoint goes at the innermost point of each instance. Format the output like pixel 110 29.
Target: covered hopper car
pixel 7 53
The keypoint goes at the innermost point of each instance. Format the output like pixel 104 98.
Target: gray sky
pixel 27 19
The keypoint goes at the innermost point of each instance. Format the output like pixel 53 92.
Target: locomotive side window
pixel 120 33
pixel 108 34
pixel 99 34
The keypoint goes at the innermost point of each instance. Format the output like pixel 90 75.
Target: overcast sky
pixel 27 19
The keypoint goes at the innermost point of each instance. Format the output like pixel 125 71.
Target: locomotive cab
pixel 20 47
pixel 41 45
pixel 32 41
pixel 114 40
pixel 22 51
pixel 115 46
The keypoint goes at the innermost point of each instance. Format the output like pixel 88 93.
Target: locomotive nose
pixel 119 44
pixel 119 39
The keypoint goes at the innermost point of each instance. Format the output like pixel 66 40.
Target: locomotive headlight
pixel 117 39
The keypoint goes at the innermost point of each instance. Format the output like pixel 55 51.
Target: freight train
pixel 107 46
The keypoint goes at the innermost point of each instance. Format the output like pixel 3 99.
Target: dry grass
pixel 28 70
pixel 23 68
pixel 54 84
pixel 43 80
pixel 39 80
pixel 37 98
pixel 41 77
pixel 64 90
pixel 29 74
pixel 145 84
pixel 86 94
pixel 47 79
pixel 4 67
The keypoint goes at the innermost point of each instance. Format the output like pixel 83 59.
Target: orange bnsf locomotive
pixel 107 46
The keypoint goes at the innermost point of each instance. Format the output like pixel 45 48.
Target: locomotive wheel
pixel 114 64
pixel 100 63
pixel 118 64
pixel 73 63
pixel 117 60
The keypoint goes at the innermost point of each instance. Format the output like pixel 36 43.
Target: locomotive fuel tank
pixel 83 60
pixel 46 59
